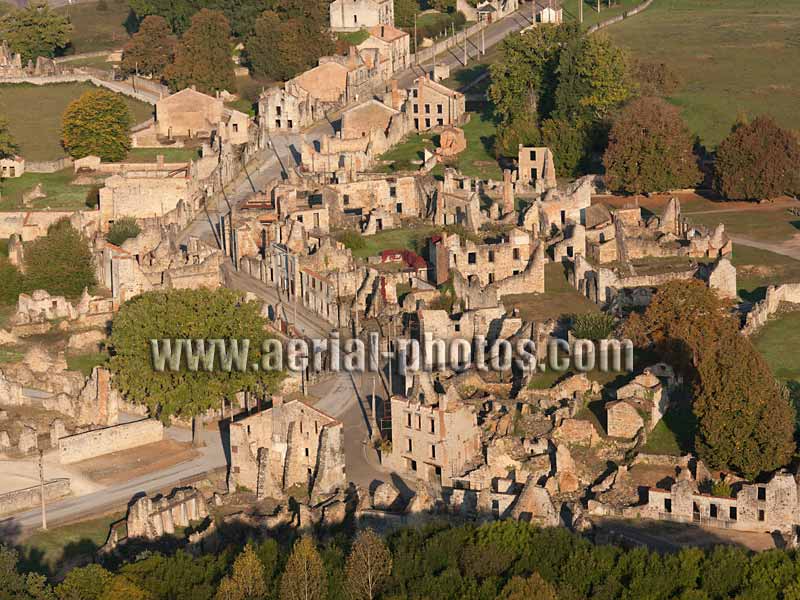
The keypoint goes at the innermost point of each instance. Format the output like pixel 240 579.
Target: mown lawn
pixel 590 14
pixel 758 269
pixel 96 30
pixel 478 159
pixel 34 115
pixel 777 341
pixel 559 299
pixel 61 194
pixel 734 56
pixel 674 433
pixel 45 551
pixel 394 239
pixel 403 156
pixel 764 224
pixel 147 155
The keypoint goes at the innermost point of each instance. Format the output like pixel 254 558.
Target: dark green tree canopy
pixel 61 262
pixel 745 423
pixel 203 57
pixel 97 124
pixel 8 147
pixel 185 314
pixel 35 30
pixel 650 149
pixel 758 160
pixel 151 49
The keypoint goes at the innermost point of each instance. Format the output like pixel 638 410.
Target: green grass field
pixel 95 30
pixel 734 56
pixel 590 14
pixel 478 159
pixel 765 225
pixel 146 155
pixel 560 298
pixel 394 239
pixel 46 551
pixel 61 194
pixel 757 269
pixel 84 363
pixel 38 132
pixel 776 341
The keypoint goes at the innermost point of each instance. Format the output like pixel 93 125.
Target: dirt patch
pixel 119 467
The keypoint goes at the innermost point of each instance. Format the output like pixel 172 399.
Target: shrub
pixel 93 197
pixel 650 149
pixel 13 282
pixel 757 160
pixel 721 489
pixel 124 229
pixel 593 326
pixel 655 78
pixel 60 262
pixel 352 240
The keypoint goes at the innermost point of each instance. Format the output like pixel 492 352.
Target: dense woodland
pixel 508 560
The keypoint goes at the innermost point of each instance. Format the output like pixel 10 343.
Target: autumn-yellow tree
pixel 246 581
pixel 368 566
pixel 97 124
pixel 305 577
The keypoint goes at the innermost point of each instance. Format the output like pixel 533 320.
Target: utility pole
pixel 416 60
pixel 41 488
pixel 375 428
pixel 580 10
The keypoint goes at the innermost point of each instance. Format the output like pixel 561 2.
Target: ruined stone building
pixel 766 507
pixel 11 65
pixel 493 10
pixel 361 120
pixel 490 261
pixel 639 405
pixel 393 46
pixel 305 99
pixel 435 105
pixel 12 167
pixel 435 436
pixel 548 11
pixel 290 448
pixel 536 169
pixel 352 15
pixel 151 518
pixel 191 115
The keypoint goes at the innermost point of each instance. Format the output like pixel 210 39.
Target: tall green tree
pixel 151 48
pixel 650 149
pixel 525 78
pixel 8 147
pixel 35 30
pixel 758 160
pixel 519 588
pixel 84 583
pixel 178 13
pixel 304 577
pixel 246 581
pixel 97 124
pixel 745 423
pixel 603 69
pixel 176 315
pixel 60 262
pixel 368 566
pixel 203 57
pixel 570 144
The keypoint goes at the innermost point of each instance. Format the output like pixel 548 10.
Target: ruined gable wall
pixel 82 446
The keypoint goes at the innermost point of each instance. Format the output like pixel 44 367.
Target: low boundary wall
pixel 26 498
pixel 98 442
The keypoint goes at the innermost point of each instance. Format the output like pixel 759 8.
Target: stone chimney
pixel 508 192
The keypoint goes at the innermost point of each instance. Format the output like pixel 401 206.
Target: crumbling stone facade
pixel 290 448
pixel 151 518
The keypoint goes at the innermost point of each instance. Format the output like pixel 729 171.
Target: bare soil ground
pixel 121 466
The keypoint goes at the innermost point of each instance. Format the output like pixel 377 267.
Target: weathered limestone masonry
pixel 82 446
pixel 768 507
pixel 19 500
pixel 40 308
pixel 759 315
pixel 352 15
pixel 150 518
pixel 290 445
pixel 529 281
pixel 435 436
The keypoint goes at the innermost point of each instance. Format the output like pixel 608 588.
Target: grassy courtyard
pixel 394 239
pixel 776 341
pixel 757 269
pixel 34 115
pixel 734 56
pixel 561 298
pixel 61 194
